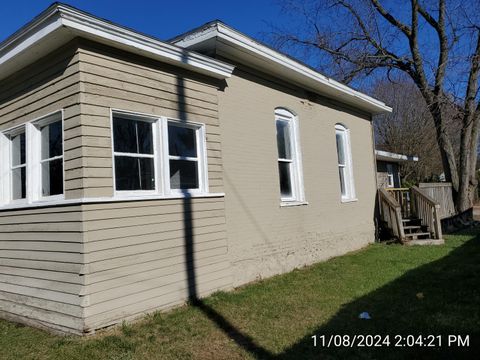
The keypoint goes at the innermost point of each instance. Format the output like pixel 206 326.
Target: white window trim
pixel 200 137
pixel 17 131
pixel 349 178
pixel 298 190
pixel 33 160
pixel 155 136
pixel 390 176
pixel 161 157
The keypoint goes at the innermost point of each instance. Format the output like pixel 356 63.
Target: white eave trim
pixel 80 23
pixel 393 157
pixel 232 36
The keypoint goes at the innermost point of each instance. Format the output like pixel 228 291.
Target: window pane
pixel 145 137
pixel 283 139
pixel 52 140
pixel 18 150
pixel 341 171
pixel 133 173
pixel 285 179
pixel 19 180
pixel 182 141
pixel 183 174
pixel 340 148
pixel 52 177
pixel 132 136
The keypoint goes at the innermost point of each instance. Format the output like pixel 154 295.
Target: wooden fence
pixel 442 194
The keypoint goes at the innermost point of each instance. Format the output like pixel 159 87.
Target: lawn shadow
pixel 439 298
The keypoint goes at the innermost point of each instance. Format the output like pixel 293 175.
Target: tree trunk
pixel 462 178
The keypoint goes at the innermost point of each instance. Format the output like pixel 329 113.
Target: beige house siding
pixel 135 252
pixel 263 238
pixel 82 267
pixel 111 79
pixel 136 259
pixel 40 263
pixel 41 248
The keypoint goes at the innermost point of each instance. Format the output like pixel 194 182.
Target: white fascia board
pixel 234 37
pixel 393 157
pixel 81 24
pixel 28 37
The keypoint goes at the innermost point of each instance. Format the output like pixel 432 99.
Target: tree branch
pixel 392 20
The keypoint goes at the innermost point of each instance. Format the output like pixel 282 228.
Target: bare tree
pixel 407 130
pixel 436 43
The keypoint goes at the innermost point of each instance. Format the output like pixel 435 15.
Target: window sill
pixel 349 200
pixel 117 198
pixel 293 203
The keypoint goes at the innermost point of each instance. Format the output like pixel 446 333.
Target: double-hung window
pixel 344 156
pixel 184 156
pixel 31 161
pixel 133 144
pixel 158 155
pixel 18 165
pixel 289 162
pixel 51 135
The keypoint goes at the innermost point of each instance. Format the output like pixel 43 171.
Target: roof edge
pixel 217 28
pixel 81 23
pixel 390 156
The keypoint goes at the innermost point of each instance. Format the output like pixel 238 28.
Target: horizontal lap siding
pixel 135 255
pixel 112 80
pixel 49 85
pixel 135 252
pixel 41 249
pixel 41 257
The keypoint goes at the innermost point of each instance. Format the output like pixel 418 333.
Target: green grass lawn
pixel 277 317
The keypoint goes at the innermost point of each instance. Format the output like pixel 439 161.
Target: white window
pixel 134 153
pixel 31 166
pixel 344 156
pixel 157 155
pixel 18 165
pixel 186 157
pixel 390 182
pixel 289 161
pixel 51 156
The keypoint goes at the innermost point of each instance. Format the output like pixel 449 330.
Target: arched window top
pixel 285 113
pixel 341 127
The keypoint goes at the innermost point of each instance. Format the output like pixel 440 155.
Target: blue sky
pixel 160 18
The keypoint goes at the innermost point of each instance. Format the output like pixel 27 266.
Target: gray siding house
pixel 136 173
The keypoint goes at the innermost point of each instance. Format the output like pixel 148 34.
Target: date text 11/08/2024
pixel 391 340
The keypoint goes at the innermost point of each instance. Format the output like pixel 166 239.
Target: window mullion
pixel 32 134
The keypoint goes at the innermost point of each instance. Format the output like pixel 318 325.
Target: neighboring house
pixel 388 168
pixel 136 173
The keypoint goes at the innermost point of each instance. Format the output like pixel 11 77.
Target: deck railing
pixel 391 213
pixel 402 195
pixel 426 209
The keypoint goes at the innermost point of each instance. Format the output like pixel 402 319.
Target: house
pixel 388 168
pixel 137 173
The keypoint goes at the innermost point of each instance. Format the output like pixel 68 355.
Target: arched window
pixel 289 160
pixel 344 155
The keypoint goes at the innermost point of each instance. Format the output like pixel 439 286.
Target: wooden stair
pixel 418 234
pixel 411 216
